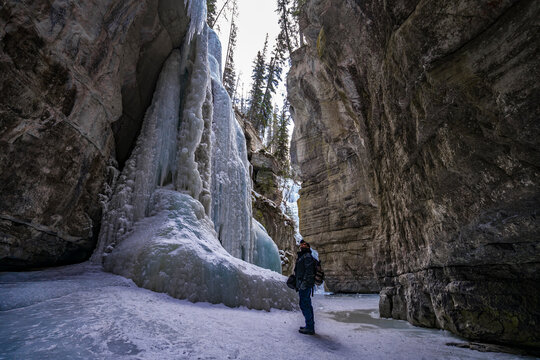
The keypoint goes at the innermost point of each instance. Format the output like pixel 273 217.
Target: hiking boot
pixel 306 331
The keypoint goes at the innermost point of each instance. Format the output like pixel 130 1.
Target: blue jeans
pixel 307 309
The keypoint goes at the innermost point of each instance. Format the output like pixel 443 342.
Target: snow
pixel 86 313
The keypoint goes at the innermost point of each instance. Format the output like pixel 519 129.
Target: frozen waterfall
pixel 290 190
pixel 231 181
pixel 176 251
pixel 179 219
pixel 197 13
pixel 151 163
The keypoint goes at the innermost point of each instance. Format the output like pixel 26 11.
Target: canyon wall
pixel 417 138
pixel 337 208
pixel 75 81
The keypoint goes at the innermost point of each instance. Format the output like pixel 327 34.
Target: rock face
pixel 265 167
pixel 75 79
pixel 268 197
pixel 280 228
pixel 338 210
pixel 417 137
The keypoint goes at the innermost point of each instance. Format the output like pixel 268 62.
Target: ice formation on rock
pixel 176 251
pixel 289 206
pixel 265 251
pixel 231 182
pixel 197 14
pixel 190 166
pixel 151 163
pixel 194 137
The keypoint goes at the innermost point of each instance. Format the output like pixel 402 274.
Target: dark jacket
pixel 304 270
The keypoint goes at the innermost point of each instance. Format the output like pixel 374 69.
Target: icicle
pixel 290 190
pixel 197 14
pixel 214 52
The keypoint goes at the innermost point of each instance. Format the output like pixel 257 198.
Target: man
pixel 304 271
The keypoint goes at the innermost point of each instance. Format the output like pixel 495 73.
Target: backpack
pixel 319 272
pixel 291 282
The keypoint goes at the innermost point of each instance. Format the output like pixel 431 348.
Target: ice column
pixel 197 13
pixel 194 138
pixel 231 182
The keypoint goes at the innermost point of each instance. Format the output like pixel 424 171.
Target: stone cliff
pixel 75 79
pixel 417 138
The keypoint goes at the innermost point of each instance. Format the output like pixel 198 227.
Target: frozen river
pixel 81 312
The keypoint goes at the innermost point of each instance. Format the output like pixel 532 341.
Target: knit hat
pixel 304 242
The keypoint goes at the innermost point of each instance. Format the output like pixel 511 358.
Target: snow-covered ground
pixel 81 312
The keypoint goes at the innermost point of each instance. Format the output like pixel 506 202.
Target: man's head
pixel 304 245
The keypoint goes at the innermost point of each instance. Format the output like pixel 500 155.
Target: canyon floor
pixel 81 312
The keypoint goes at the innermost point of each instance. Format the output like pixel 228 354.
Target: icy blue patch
pixel 266 253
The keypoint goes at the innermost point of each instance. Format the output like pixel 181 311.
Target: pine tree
pixel 282 139
pixel 296 11
pixel 229 73
pixel 211 12
pixel 272 79
pixel 257 91
pixel 287 27
pixel 226 6
pixel 234 98
pixel 271 134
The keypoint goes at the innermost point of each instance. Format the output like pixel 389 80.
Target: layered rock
pixel 338 210
pixel 417 139
pixel 76 79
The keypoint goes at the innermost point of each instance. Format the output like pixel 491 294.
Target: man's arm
pixel 309 274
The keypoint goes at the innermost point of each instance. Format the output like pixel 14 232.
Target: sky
pixel 256 18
